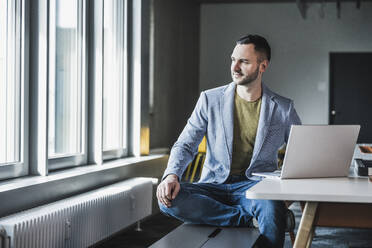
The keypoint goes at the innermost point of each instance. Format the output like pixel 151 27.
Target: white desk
pixel 329 202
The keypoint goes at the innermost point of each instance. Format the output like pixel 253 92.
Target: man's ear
pixel 263 66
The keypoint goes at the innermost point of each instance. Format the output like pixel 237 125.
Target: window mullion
pixel 96 84
pixel 25 65
pixel 16 79
pixel 122 101
pixel 39 90
pixel 125 77
pixel 80 137
pixel 19 117
pixel 10 82
pixel 84 73
pixel 52 75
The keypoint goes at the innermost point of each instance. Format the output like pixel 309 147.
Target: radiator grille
pixel 82 220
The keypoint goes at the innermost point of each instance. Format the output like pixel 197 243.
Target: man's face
pixel 244 64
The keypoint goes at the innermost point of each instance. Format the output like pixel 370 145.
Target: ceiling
pixel 277 1
pixel 301 4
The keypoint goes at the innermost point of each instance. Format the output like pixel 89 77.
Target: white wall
pixel 299 67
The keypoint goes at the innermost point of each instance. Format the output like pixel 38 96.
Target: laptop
pixel 315 151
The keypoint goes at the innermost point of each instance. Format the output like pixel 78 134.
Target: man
pixel 245 124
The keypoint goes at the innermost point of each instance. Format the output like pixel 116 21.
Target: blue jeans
pixel 226 205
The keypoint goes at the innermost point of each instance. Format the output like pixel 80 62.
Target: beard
pixel 246 79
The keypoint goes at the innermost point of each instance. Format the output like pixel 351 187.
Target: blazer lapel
pixel 227 116
pixel 267 107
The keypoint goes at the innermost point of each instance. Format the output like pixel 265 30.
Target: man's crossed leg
pixel 226 205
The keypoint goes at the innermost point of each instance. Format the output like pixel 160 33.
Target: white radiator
pixel 82 220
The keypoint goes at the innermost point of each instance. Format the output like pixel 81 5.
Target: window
pixel 66 100
pixel 45 93
pixel 11 91
pixel 114 79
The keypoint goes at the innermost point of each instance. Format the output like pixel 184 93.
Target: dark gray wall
pixel 299 68
pixel 176 68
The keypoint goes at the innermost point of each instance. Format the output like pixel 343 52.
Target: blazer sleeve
pixel 185 148
pixel 292 119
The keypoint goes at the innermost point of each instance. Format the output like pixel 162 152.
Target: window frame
pixel 60 162
pixel 19 8
pixel 123 151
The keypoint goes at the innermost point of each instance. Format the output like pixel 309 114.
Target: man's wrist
pixel 172 176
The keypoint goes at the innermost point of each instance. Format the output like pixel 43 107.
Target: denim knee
pixel 176 205
pixel 162 207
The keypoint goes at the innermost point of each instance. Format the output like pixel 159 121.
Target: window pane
pixel 114 86
pixel 65 83
pixel 10 111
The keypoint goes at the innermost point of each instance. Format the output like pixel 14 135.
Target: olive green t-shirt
pixel 246 116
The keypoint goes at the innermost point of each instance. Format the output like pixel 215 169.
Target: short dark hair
pixel 260 44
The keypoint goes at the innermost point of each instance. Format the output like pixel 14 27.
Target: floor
pixel 335 237
pixel 157 226
pixel 153 229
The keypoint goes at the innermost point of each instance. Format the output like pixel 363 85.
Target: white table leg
pixel 306 225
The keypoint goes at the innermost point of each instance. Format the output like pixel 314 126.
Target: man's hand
pixel 168 190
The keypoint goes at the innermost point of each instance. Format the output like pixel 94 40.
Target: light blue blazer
pixel 213 116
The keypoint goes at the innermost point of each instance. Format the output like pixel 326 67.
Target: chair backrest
pixel 194 169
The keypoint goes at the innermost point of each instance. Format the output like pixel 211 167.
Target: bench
pixel 199 236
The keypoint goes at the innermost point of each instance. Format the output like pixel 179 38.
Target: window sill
pixel 31 191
